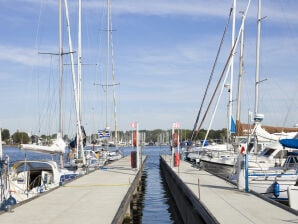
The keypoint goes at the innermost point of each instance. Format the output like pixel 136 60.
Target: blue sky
pixel 163 55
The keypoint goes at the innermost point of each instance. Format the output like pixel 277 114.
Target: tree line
pixel 155 136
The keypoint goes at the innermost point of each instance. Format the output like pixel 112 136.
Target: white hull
pixel 30 178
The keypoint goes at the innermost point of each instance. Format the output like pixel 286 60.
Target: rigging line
pixel 228 62
pixel 211 75
pixel 216 88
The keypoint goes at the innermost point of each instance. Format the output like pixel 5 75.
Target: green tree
pixel 20 138
pixel 5 134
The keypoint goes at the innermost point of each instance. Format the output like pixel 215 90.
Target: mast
pixel 80 143
pixel 113 78
pixel 258 61
pixel 60 68
pixel 108 59
pixel 79 130
pixel 231 76
pixel 257 118
pixel 60 53
pixel 240 77
pixel 80 60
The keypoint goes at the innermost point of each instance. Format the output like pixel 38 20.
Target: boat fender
pixel 11 200
pixel 242 150
pixel 276 189
pixel 6 204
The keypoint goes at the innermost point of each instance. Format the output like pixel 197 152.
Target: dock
pixel 102 196
pixel 204 198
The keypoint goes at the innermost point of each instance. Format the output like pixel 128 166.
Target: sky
pixel 162 52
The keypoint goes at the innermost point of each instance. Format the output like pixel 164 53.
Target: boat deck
pixel 224 201
pixel 92 198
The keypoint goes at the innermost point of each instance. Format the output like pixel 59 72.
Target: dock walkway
pixel 220 199
pixel 93 198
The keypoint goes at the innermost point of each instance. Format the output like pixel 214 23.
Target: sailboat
pixel 29 178
pixel 220 158
pixel 272 180
pixel 222 161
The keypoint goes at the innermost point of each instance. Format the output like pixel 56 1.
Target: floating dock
pixel 102 196
pixel 204 198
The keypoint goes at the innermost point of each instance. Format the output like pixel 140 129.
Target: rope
pixel 211 76
pixel 217 85
pixel 228 62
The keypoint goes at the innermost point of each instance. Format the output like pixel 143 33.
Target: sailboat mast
pixel 108 59
pixel 80 143
pixel 60 52
pixel 240 77
pixel 258 60
pixel 231 76
pixel 80 60
pixel 113 78
pixel 60 67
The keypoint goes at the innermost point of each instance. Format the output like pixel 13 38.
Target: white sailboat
pixel 29 178
pixel 57 147
pixel 220 158
pixel 272 180
pixel 264 148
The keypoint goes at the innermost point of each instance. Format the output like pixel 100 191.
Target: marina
pixel 99 126
pixel 118 192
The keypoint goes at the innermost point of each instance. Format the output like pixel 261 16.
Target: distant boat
pixel 57 147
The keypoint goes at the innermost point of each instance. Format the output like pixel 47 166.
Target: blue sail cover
pixel 233 126
pixel 290 143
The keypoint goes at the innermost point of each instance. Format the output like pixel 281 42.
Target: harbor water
pixel 152 205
